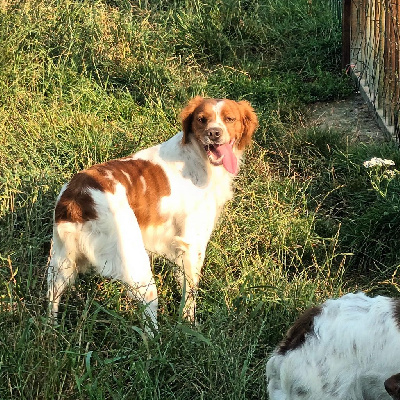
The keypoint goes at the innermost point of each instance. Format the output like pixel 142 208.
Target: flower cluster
pixel 378 162
pixel 381 175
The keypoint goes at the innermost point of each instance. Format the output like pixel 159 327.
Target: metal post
pixel 346 33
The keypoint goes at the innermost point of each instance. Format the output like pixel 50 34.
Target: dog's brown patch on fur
pixel 188 115
pixel 245 122
pixel 76 204
pixel 145 184
pixel 296 335
pixel 392 386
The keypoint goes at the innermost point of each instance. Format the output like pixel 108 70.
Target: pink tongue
pixel 229 161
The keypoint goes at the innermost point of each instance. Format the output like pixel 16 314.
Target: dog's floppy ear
pixel 187 117
pixel 250 123
pixel 392 386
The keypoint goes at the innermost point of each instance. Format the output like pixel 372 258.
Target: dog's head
pixel 221 126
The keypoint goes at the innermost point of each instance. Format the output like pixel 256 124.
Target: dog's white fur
pixel 114 242
pixel 345 351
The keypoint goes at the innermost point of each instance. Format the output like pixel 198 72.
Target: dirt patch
pixel 351 116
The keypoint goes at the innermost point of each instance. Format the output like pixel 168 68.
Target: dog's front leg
pixel 189 260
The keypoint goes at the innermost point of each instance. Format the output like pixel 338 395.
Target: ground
pixel 351 115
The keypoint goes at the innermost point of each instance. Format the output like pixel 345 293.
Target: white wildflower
pixel 390 174
pixel 377 162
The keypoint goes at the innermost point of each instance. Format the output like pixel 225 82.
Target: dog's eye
pixel 230 119
pixel 202 120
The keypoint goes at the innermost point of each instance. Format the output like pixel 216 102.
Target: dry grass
pixel 82 82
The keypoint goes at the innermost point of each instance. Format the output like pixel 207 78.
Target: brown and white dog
pixel 345 349
pixel 165 199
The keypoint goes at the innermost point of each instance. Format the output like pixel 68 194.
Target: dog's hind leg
pixel 145 291
pixel 122 256
pixel 138 275
pixel 62 271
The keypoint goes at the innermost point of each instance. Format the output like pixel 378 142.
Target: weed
pixel 83 82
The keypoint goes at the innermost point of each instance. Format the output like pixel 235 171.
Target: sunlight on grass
pixel 84 82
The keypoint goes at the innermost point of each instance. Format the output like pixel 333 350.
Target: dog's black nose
pixel 214 133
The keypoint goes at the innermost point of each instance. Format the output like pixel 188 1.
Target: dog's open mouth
pixel 222 154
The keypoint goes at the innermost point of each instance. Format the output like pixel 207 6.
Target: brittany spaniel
pixel 165 200
pixel 346 349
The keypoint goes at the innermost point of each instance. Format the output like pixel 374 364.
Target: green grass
pixel 83 82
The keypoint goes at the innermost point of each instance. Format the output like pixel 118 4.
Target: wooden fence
pixel 371 49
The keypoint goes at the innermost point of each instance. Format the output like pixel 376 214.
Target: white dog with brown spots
pixel 165 199
pixel 345 349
